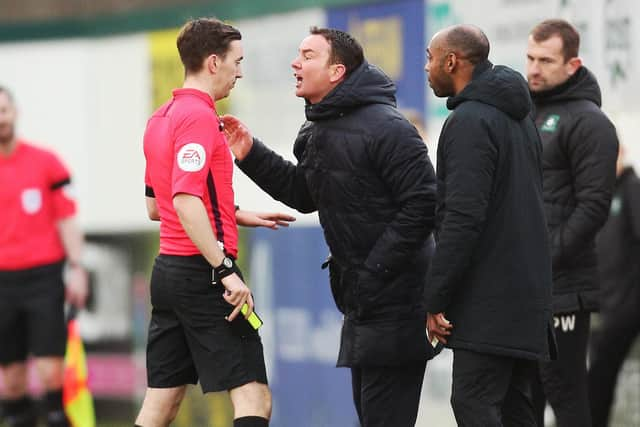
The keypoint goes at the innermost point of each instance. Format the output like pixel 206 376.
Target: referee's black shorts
pixel 32 313
pixel 189 338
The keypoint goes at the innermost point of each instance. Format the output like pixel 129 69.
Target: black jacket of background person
pixel 618 247
pixel 580 148
pixel 364 167
pixel 491 272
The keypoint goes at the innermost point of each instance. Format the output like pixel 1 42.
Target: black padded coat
pixel 580 148
pixel 491 272
pixel 366 171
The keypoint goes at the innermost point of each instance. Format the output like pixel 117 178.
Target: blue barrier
pixel 301 329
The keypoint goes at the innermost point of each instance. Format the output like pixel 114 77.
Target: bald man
pixel 489 288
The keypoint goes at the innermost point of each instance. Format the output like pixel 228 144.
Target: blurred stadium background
pixel 87 74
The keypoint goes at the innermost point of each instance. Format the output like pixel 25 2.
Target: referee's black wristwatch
pixel 225 269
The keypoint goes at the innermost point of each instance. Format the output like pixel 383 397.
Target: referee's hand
pixel 237 294
pixel 76 286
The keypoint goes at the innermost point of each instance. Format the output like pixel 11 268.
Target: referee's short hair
pixel 202 37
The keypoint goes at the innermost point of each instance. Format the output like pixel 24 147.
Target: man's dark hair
pixel 344 50
pixel 469 42
pixel 561 28
pixel 202 37
pixel 7 92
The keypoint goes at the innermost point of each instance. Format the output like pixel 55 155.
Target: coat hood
pixel 582 85
pixel 367 84
pixel 498 86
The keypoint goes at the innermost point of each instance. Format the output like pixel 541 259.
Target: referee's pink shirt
pixel 186 152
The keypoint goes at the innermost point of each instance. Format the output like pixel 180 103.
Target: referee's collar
pixel 194 92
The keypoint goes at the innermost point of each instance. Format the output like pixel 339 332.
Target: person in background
pixel 366 171
pixel 618 250
pixel 416 119
pixel 489 286
pixel 39 240
pixel 197 332
pixel 580 146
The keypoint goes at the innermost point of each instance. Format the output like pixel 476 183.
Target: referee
pixel 196 331
pixel 38 235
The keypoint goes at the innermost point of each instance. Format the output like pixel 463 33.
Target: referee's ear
pixel 211 63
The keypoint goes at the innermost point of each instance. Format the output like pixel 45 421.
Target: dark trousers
pixel 491 390
pixel 609 347
pixel 387 396
pixel 563 382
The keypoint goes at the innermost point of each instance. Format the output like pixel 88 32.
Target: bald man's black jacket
pixel 366 171
pixel 491 272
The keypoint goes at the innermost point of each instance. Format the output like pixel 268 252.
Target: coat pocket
pixel 384 342
pixel 335 281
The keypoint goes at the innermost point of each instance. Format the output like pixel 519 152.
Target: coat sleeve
pixel 281 179
pixel 400 157
pixel 592 148
pixel 632 198
pixel 469 158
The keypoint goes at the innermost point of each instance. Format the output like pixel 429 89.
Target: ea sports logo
pixel 191 157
